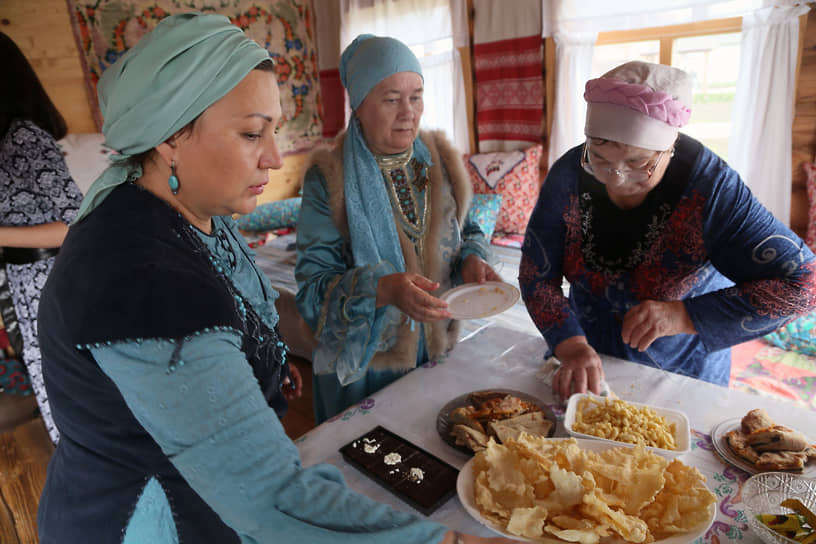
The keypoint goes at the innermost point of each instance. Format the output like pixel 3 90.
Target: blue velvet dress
pixel 700 237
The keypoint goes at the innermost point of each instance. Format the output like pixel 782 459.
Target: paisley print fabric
pixel 35 188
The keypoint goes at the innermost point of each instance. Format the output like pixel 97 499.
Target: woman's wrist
pixel 453 537
pixel 569 345
pixel 383 297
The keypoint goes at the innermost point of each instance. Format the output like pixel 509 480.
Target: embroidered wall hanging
pixel 106 29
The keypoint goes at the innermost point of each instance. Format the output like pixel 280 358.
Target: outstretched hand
pixel 649 320
pixel 476 270
pixel 410 293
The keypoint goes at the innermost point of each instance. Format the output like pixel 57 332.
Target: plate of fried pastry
pixel 756 443
pixel 470 420
pixel 594 492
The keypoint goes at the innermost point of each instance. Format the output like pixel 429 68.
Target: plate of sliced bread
pixel 757 443
pixel 470 420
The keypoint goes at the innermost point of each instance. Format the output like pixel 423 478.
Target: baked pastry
pixel 776 438
pixel 791 461
pixel 464 416
pixel 755 420
pixel 736 441
pixel 531 423
pixel 502 408
pixel 477 398
pixel 469 437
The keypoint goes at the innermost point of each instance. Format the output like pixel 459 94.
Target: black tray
pixel 426 494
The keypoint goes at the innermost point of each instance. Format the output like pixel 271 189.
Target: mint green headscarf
pixel 365 62
pixel 174 73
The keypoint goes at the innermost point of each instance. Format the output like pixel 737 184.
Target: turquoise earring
pixel 173 181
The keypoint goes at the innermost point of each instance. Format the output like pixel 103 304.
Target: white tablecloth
pixel 497 357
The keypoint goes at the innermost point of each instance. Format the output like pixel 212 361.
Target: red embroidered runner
pixel 509 90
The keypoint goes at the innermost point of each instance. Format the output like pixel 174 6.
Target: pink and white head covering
pixel 639 104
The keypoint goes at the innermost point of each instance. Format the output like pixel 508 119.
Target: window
pixel 713 60
pixel 436 59
pixel 606 57
pixel 709 51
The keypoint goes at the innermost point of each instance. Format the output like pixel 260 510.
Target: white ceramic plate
pixel 682 435
pixel 718 440
pixel 478 300
pixel 464 488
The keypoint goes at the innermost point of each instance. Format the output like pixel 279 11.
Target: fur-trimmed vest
pixel 449 201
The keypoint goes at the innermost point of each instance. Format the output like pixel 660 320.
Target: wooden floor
pixel 24 454
pixel 25 450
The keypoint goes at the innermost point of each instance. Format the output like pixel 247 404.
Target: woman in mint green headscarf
pixel 382 232
pixel 161 353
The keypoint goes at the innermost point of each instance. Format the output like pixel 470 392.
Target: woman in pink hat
pixel 670 258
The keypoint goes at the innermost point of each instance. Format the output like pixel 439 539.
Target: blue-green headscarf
pixel 174 73
pixel 365 62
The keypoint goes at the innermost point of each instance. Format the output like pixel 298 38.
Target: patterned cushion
pixel 484 209
pixel 271 215
pixel 512 174
pixel 798 335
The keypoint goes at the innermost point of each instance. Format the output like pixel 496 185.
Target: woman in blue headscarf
pixel 159 335
pixel 382 230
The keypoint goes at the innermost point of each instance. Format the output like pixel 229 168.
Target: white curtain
pixel 573 59
pixel 763 105
pixel 427 27
pixel 572 23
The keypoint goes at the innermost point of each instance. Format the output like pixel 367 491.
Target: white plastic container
pixel 682 435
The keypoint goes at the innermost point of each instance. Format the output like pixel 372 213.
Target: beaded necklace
pixel 265 350
pixel 403 194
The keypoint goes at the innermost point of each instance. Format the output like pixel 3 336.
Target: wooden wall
pixel 804 123
pixel 42 30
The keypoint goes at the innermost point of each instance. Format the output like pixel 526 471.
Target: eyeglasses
pixel 626 175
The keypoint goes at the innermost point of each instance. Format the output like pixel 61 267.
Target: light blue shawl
pixel 174 73
pixel 367 61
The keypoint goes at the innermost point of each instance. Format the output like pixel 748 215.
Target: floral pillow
pixel 271 215
pixel 484 210
pixel 514 175
pixel 798 335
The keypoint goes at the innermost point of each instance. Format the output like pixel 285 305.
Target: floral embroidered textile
pixel 106 29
